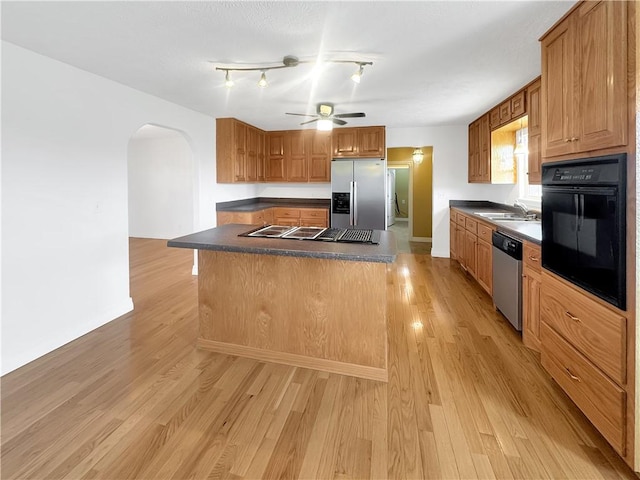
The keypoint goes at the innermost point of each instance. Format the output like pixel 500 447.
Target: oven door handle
pixel 577 209
pixel 581 195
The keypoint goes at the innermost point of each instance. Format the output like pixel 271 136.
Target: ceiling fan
pixel 325 115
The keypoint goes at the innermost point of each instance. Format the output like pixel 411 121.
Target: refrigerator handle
pixel 355 203
pixel 351 203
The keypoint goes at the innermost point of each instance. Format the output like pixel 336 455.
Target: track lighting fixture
pixel 263 80
pixel 287 62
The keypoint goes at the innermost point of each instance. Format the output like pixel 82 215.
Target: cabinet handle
pixel 567 140
pixel 575 319
pixel 533 259
pixel 574 139
pixel 571 375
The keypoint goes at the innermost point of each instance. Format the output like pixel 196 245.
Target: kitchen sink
pixel 505 216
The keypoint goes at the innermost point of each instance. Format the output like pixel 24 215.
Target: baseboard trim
pixel 421 239
pixel 28 356
pixel 331 366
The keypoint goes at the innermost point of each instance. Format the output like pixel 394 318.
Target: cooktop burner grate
pixel 360 236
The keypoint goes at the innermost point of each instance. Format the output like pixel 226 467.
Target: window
pixel 530 195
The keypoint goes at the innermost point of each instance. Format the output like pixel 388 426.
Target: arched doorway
pixel 160 183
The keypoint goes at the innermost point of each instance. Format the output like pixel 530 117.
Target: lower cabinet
pixel 470 245
pixel 288 216
pixel 583 347
pixel 531 281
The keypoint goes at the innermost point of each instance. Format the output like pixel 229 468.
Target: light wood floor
pixel 135 399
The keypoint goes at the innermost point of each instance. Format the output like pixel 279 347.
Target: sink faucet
pixel 523 208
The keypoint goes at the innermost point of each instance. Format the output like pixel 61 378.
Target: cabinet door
pixel 345 142
pixel 485 265
pixel 318 146
pixel 534 130
pixel 505 112
pixel 460 245
pixel 601 121
pixel 557 90
pixel 494 118
pixel 371 142
pixel 470 253
pixel 484 153
pixel 474 151
pixel 531 309
pixel 295 156
pixel 252 154
pixel 239 141
pixel 275 157
pixel 262 160
pixel 452 240
pixel 518 104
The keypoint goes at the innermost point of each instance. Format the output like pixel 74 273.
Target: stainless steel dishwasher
pixel 507 277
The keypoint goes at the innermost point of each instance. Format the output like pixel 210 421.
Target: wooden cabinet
pixel 275 161
pixel 295 155
pixel 534 133
pixel 531 281
pixel 231 150
pixel 470 252
pixel 318 145
pixel 584 80
pixel 484 257
pixel 517 104
pixel 247 218
pixel 306 217
pixel 453 244
pixel 480 151
pixel 298 156
pixel 254 154
pixel 583 347
pixel 363 142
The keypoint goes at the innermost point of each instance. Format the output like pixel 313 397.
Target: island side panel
pixel 321 310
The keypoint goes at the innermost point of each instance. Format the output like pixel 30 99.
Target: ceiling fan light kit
pixel 288 61
pixel 326 118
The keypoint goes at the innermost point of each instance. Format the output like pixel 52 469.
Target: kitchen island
pixel 312 304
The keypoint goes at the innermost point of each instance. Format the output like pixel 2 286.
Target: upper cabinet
pixel 359 142
pixel 584 81
pixel 534 133
pixel 492 138
pixel 247 154
pixel 298 156
pixel 238 147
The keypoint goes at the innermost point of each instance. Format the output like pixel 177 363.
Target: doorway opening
pixel 413 204
pixel 161 193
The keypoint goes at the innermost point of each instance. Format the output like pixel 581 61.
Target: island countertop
pixel 225 238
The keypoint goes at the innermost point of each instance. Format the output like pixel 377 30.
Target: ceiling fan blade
pixel 337 121
pixel 301 114
pixel 310 121
pixel 350 115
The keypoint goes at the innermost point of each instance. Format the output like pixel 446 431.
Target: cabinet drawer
pixel 597 332
pixel 471 225
pixel 280 212
pixel 531 256
pixel 601 400
pixel 484 232
pixel 460 219
pixel 314 213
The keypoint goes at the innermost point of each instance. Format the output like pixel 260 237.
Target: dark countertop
pixel 261 203
pixel 225 238
pixel 530 231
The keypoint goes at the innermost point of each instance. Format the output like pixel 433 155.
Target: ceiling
pixel 434 63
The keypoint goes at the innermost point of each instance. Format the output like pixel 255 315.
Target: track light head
pixel 263 80
pixel 358 75
pixel 227 80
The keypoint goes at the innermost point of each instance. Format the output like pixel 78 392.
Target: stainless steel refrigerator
pixel 358 193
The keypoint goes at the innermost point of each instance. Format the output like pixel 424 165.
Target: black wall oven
pixel 584 224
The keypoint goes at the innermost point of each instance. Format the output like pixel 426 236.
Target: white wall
pixel 65 133
pixel 450 165
pixel 160 174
